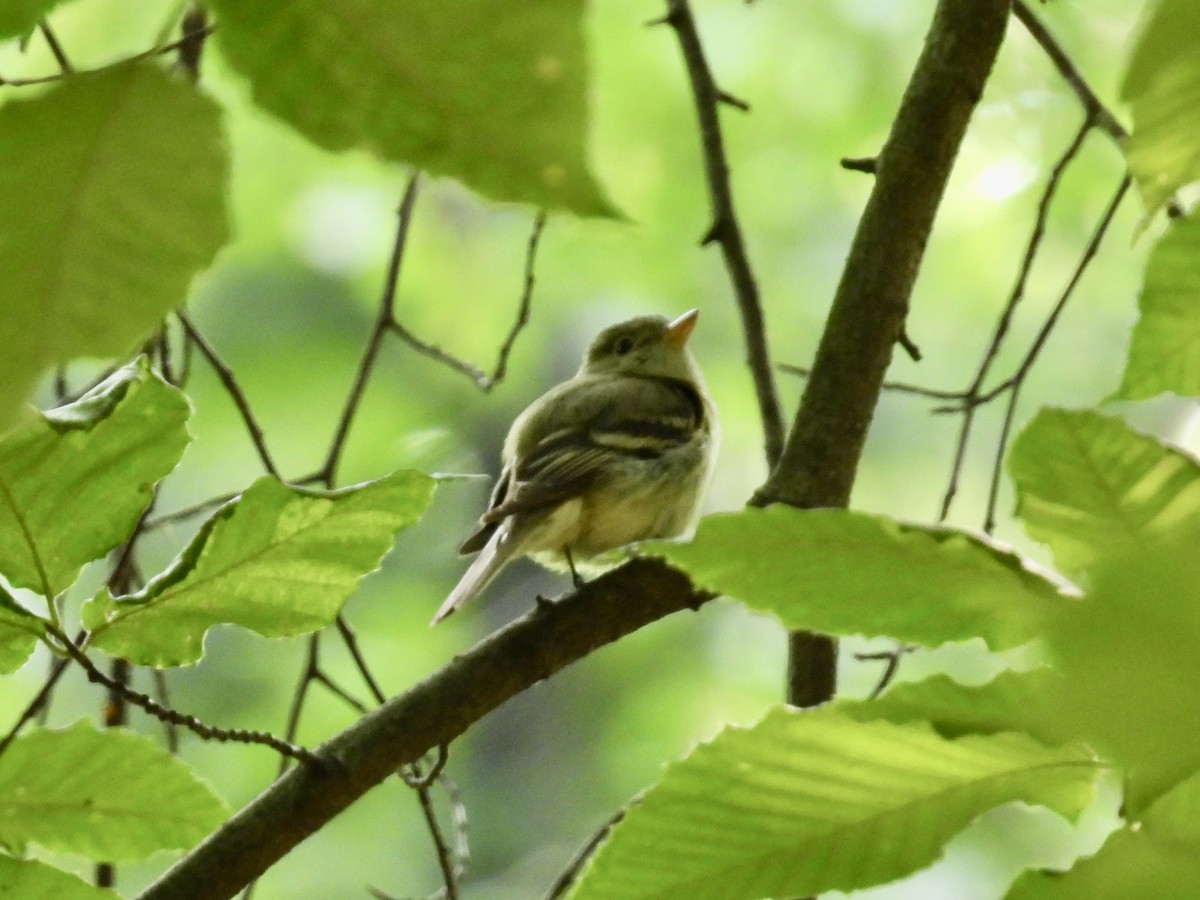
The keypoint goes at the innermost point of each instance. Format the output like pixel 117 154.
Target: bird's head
pixel 647 345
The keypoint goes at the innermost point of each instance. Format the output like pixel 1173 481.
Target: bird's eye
pixel 623 346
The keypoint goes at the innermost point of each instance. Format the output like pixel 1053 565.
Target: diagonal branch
pixel 823 449
pixel 431 714
pixel 725 230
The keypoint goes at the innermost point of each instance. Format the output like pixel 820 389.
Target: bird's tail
pixel 491 559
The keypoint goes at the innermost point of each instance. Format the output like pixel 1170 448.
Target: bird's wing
pixel 561 450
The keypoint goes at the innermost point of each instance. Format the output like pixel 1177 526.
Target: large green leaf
pixel 1160 859
pixel 841 572
pixel 278 560
pixel 1088 485
pixel 18 17
pixel 19 634
pixel 1128 654
pixel 74 481
pixel 492 92
pixel 1162 86
pixel 805 802
pixel 108 795
pixel 114 197
pixel 28 879
pixel 1012 701
pixel 1164 351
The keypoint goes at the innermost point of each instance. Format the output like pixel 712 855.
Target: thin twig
pixel 39 702
pixel 501 369
pixel 892 659
pixel 190 722
pixel 567 877
pixel 898 387
pixel 56 48
pixel 170 730
pixel 360 662
pixel 193 32
pixel 1039 342
pixel 1097 113
pixel 420 782
pixel 725 230
pixel 483 380
pixel 138 57
pixel 971 399
pixel 383 319
pixel 232 388
pixel 188 512
pixel 865 164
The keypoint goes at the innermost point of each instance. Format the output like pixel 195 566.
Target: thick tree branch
pixel 429 715
pixel 823 449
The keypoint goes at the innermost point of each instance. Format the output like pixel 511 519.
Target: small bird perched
pixel 619 453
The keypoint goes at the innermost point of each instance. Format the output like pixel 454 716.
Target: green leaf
pixel 1012 701
pixel 492 92
pixel 1161 858
pixel 1162 86
pixel 1089 485
pixel 114 197
pixel 29 879
pixel 1164 352
pixel 279 560
pixel 20 631
pixel 108 795
pixel 74 482
pixel 1128 654
pixel 805 802
pixel 18 17
pixel 842 572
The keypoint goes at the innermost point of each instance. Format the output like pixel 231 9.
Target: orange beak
pixel 678 331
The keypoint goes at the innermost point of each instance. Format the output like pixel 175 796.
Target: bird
pixel 621 452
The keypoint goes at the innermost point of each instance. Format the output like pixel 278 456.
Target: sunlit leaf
pixel 1164 351
pixel 19 634
pixel 278 560
pixel 108 795
pixel 1161 858
pixel 1089 485
pixel 841 572
pixel 493 92
pixel 74 481
pixel 1128 652
pixel 805 802
pixel 114 197
pixel 29 879
pixel 18 17
pixel 1162 87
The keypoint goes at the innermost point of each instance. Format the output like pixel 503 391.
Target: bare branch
pixel 383 320
pixel 899 387
pixel 822 452
pixel 430 714
pixel 725 230
pixel 166 714
pixel 1097 113
pixel 148 54
pixel 1039 342
pixel 482 379
pixel 56 48
pixel 232 388
pixel 972 398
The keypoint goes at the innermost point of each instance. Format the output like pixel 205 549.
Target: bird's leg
pixel 575 576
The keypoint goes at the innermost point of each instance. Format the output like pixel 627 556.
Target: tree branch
pixel 823 449
pixel 431 714
pixel 725 230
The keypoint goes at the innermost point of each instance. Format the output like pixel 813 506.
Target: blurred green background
pixel 289 304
